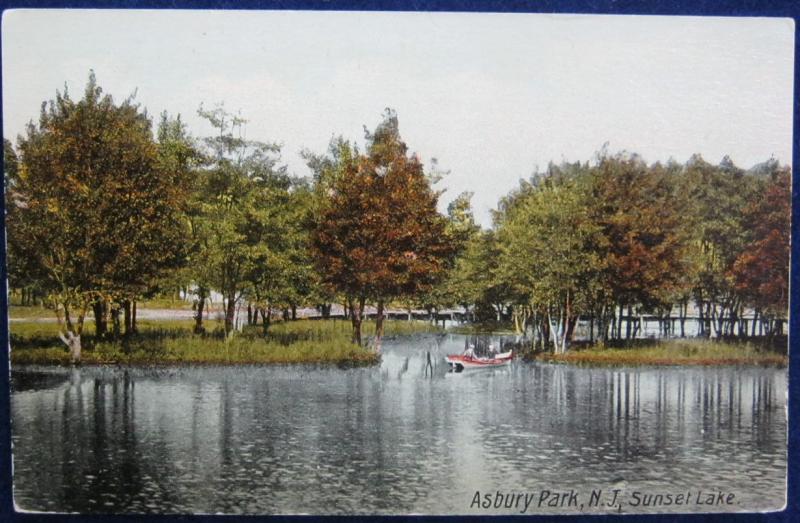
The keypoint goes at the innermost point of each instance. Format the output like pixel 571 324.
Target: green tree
pixel 717 197
pixel 549 252
pixel 283 274
pixel 234 211
pixel 22 274
pixel 454 288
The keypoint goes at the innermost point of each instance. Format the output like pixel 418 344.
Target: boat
pixel 460 362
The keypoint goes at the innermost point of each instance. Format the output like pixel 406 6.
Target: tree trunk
pixel 198 317
pixel 701 320
pixel 70 333
pixel 134 328
pixel 115 320
pixel 294 312
pixel 266 319
pixel 713 323
pixel 553 330
pixel 628 323
pixel 250 319
pixel 73 342
pixel 230 312
pixel 683 308
pixel 126 308
pixel 379 325
pixel 570 333
pixel 544 328
pixel 755 321
pixel 356 316
pixel 100 324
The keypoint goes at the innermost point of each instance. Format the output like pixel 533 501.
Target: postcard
pixel 393 263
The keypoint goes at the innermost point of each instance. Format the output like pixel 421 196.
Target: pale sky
pixel 492 96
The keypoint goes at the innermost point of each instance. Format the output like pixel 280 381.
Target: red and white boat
pixel 459 362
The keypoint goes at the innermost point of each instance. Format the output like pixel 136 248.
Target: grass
pixel 490 327
pixel 172 342
pixel 673 352
pixel 165 303
pixel 29 312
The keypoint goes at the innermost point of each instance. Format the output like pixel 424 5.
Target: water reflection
pixel 404 438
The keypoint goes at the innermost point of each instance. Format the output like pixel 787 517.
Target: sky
pixel 492 96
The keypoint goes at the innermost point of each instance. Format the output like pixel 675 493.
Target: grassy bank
pixel 172 342
pixel 673 352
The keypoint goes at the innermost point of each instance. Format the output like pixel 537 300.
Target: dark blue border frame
pixel 769 8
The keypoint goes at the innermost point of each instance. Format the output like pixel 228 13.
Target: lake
pixel 398 439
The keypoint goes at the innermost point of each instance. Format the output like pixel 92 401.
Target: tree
pixel 455 287
pixel 155 210
pixel 761 271
pixel 717 197
pixel 378 235
pixel 640 217
pixel 283 273
pixel 234 209
pixel 22 274
pixel 95 214
pixel 548 252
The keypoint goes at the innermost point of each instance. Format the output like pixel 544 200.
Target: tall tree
pixel 97 213
pixel 548 245
pixel 640 216
pixel 235 210
pixel 761 271
pixel 379 235
pixel 455 287
pixel 717 197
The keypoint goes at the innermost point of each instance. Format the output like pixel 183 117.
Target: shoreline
pixel 327 343
pixel 672 353
pixel 779 362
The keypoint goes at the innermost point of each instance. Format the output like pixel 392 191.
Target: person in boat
pixel 492 351
pixel 470 351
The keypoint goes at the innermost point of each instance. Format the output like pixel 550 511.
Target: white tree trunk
pixel 73 343
pixel 553 333
pixel 713 322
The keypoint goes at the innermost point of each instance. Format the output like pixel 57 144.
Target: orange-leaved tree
pixel 378 235
pixel 761 272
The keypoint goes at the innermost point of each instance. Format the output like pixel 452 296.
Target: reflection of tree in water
pixel 104 463
pixel 640 413
pixel 258 440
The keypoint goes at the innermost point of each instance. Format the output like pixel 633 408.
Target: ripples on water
pixel 395 439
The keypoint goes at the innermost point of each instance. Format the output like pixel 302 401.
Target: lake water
pixel 398 438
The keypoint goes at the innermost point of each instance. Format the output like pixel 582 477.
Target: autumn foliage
pixel 379 235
